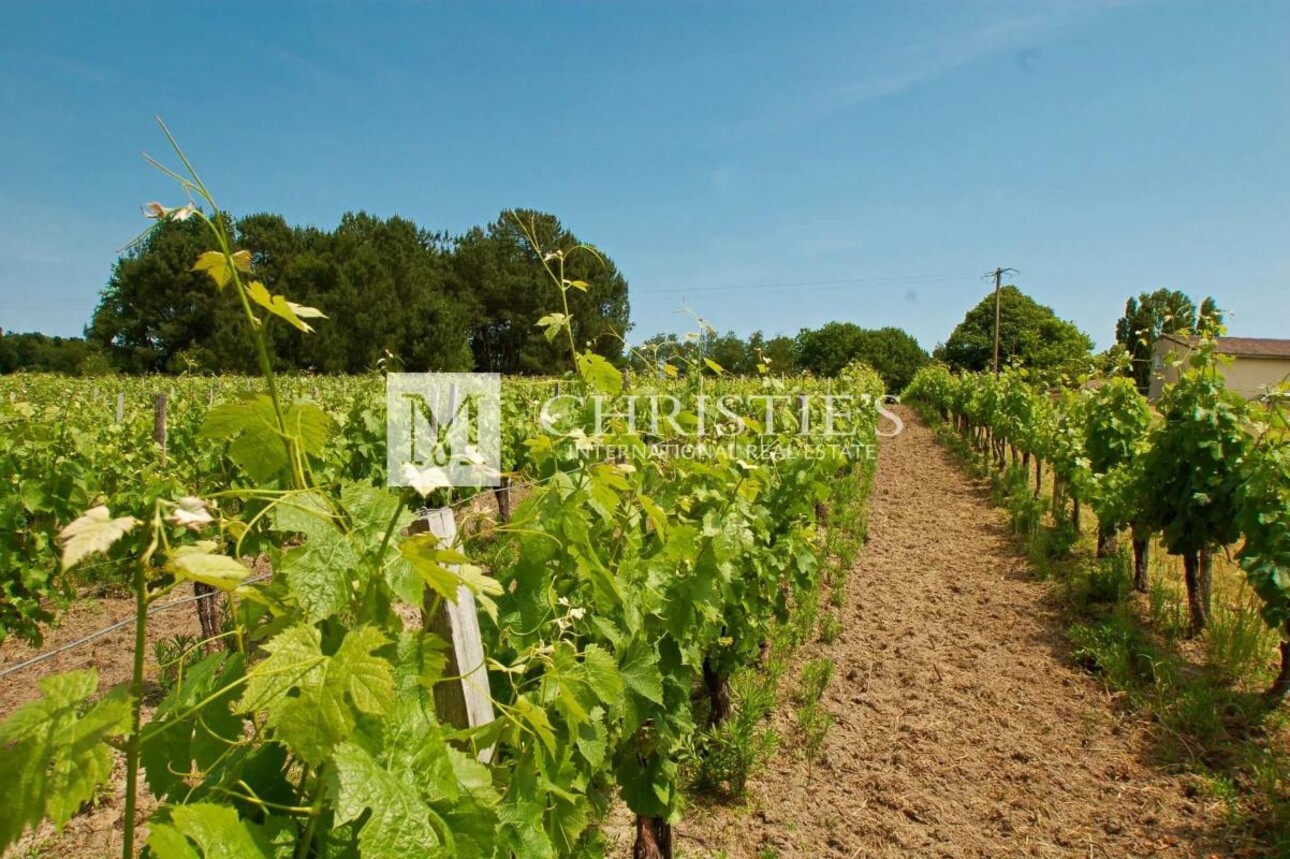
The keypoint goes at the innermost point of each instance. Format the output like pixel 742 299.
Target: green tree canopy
pixel 394 293
pixel 41 353
pixel 894 353
pixel 1152 314
pixel 508 291
pixel 1029 333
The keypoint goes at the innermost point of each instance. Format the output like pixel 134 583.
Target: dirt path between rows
pixel 962 728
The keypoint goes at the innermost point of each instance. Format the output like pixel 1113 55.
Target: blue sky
pixel 767 165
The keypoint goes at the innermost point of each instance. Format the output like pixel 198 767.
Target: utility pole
pixel 998 274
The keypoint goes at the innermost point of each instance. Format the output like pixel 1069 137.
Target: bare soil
pixel 962 729
pixel 110 654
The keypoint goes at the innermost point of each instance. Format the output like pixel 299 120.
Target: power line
pixel 878 281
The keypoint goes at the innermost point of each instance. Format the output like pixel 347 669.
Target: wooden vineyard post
pixel 208 611
pixel 159 425
pixel 462 699
pixel 120 407
pixel 502 492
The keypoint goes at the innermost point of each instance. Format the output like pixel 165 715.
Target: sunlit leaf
pixel 95 531
pixel 289 311
pixel 199 565
pixel 215 264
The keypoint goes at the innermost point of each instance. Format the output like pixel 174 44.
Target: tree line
pixel 397 296
pixel 823 351
pixel 400 297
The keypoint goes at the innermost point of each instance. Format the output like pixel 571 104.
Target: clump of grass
pixel 813 720
pixel 735 750
pixel 813 680
pixel 1168 608
pixel 838 594
pixel 830 628
pixel 174 655
pixel 1116 649
pixel 813 724
pixel 1238 643
pixel 1091 585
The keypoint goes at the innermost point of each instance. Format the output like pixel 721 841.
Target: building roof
pixel 1242 347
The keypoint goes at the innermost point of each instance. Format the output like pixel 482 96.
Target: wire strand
pixel 126 621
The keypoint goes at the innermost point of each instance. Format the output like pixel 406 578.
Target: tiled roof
pixel 1244 347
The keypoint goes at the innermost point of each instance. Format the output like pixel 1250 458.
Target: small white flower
pixel 425 480
pixel 158 212
pixel 577 613
pixel 191 513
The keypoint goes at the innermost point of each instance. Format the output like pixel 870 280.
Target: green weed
pixel 830 628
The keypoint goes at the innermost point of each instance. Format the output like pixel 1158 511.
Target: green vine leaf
pixel 216 830
pixel 400 824
pixel 54 752
pixel 250 426
pixel 197 563
pixel 599 373
pixel 216 265
pixel 293 313
pixel 313 700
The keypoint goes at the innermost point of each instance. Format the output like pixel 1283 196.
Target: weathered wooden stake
pixel 462 699
pixel 120 407
pixel 208 611
pixel 502 492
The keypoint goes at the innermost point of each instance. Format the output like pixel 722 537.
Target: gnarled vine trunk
pixel 503 495
pixel 718 687
pixel 207 614
pixel 653 838
pixel 1277 693
pixel 1198 572
pixel 1141 549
